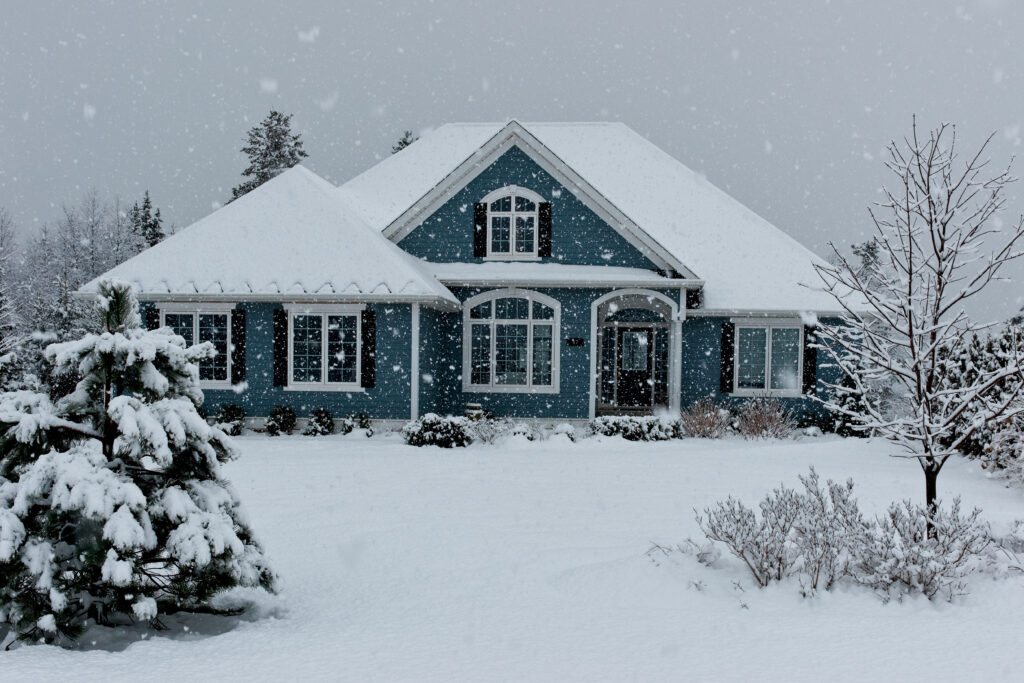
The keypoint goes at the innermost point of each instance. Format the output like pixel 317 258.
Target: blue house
pixel 550 271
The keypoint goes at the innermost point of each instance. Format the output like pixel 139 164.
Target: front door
pixel 635 367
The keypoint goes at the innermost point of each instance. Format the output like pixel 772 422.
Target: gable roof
pixel 747 264
pixel 290 236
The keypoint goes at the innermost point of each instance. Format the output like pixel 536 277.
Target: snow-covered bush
pixel 321 423
pixel 898 557
pixel 360 421
pixel 637 428
pixel 820 537
pixel 764 418
pixel 231 418
pixel 564 430
pixel 705 419
pixel 112 502
pixel 280 421
pixel 434 430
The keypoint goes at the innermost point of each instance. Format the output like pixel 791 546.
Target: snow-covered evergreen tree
pixel 272 148
pixel 407 139
pixel 146 222
pixel 9 334
pixel 112 504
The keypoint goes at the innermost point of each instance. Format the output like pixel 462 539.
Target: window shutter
pixel 480 230
pixel 544 229
pixel 368 359
pixel 280 348
pixel 152 318
pixel 810 362
pixel 238 346
pixel 728 357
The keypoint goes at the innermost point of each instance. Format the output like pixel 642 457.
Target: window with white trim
pixel 768 358
pixel 198 326
pixel 324 348
pixel 509 341
pixel 512 222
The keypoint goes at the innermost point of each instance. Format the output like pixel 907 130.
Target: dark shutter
pixel 544 229
pixel 368 359
pixel 480 230
pixel 728 355
pixel 693 297
pixel 810 361
pixel 152 318
pixel 237 346
pixel 280 348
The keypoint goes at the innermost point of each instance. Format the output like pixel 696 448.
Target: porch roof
pixel 513 273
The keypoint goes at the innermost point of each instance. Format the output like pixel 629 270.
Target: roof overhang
pixel 158 297
pixel 514 134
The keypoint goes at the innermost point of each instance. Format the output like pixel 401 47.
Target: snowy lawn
pixel 527 562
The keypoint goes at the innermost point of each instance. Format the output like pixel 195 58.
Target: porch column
pixel 414 365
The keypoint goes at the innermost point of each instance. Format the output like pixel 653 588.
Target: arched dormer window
pixel 513 223
pixel 509 342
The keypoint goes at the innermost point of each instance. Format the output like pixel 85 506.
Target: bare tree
pixel 931 231
pixel 8 316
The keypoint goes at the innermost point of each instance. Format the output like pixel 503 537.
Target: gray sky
pixel 786 105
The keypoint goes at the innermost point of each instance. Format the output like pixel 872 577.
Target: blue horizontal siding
pixel 578 235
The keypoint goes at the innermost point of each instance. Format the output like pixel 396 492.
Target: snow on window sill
pixel 321 386
pixel 508 389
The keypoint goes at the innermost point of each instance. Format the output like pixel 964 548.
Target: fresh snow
pixel 747 263
pixel 292 236
pixel 527 561
pixel 497 273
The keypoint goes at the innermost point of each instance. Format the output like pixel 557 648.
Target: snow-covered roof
pixel 291 236
pixel 745 261
pixel 550 274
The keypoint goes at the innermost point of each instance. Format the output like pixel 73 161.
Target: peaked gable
pixel 578 235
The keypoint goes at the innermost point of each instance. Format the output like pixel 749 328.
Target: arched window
pixel 510 342
pixel 512 223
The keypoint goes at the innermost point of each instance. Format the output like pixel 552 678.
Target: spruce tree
pixel 272 149
pixel 112 504
pixel 407 139
pixel 146 223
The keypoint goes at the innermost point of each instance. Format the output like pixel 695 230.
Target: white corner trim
pixel 414 372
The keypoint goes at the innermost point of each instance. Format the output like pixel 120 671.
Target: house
pixel 554 271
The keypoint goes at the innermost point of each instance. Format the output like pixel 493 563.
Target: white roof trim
pixel 515 135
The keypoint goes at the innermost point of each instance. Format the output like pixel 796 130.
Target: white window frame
pixel 325 310
pixel 467 341
pixel 512 255
pixel 195 310
pixel 768 325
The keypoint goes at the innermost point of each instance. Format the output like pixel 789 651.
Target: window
pixel 512 220
pixel 324 348
pixel 196 327
pixel 768 359
pixel 509 342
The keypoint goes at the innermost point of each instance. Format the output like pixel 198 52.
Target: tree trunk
pixel 931 475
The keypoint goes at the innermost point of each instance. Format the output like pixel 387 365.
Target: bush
pixel 281 420
pixel 705 419
pixel 434 430
pixel 637 428
pixel 764 418
pixel 231 419
pixel 321 423
pixel 565 431
pixel 820 537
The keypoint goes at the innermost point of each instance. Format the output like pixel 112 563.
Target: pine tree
pixel 9 335
pixel 112 502
pixel 146 223
pixel 407 139
pixel 272 149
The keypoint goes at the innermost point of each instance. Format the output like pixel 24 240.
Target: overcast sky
pixel 786 105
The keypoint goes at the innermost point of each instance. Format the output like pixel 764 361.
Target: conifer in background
pixel 272 148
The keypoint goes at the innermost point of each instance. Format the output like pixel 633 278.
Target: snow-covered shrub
pixel 321 423
pixel 898 557
pixel 280 421
pixel 705 419
pixel 564 430
pixel 360 421
pixel 828 531
pixel 637 428
pixel 112 502
pixel 434 430
pixel 764 418
pixel 231 418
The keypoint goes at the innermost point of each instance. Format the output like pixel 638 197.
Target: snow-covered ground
pixel 527 562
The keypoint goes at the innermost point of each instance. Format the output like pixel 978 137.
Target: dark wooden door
pixel 635 367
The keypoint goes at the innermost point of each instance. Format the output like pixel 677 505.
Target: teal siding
pixel 389 399
pixel 578 236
